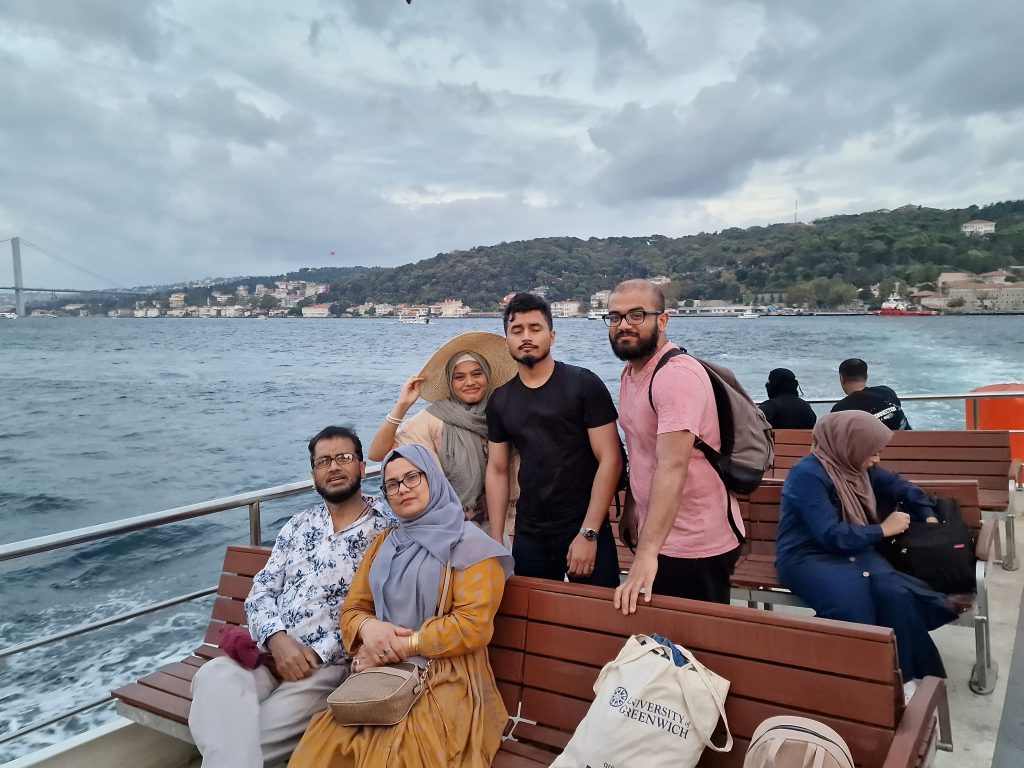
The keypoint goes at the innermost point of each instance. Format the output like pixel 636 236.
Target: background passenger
pixel 458 380
pixel 880 401
pixel 389 617
pixel 784 408
pixel 828 528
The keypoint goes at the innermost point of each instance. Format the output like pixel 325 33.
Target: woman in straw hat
pixel 457 380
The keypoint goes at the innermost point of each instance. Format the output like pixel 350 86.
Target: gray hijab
pixel 405 577
pixel 462 439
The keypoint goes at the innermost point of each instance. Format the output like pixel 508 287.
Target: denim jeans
pixel 545 557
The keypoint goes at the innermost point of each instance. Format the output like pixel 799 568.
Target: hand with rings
pixel 382 643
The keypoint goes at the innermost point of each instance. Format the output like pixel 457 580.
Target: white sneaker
pixel 909 688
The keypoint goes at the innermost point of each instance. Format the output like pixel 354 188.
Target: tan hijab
pixel 842 442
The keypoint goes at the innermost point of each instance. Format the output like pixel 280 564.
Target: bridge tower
pixel 19 284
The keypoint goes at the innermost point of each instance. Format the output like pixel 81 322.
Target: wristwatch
pixel 589 534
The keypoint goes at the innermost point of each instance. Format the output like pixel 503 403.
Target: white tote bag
pixel 649 713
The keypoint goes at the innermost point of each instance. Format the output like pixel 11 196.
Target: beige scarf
pixel 842 442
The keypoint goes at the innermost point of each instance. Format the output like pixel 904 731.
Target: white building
pixel 565 308
pixel 978 227
pixel 176 300
pixel 261 290
pixel 220 297
pixel 317 310
pixel 599 300
pixel 315 289
pixel 242 291
pixel 660 280
pixel 451 308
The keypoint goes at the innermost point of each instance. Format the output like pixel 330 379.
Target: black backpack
pixel 748 449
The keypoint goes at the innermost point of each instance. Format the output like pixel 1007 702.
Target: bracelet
pixel 360 627
pixel 414 644
pixel 392 420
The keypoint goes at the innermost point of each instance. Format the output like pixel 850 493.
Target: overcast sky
pixel 154 141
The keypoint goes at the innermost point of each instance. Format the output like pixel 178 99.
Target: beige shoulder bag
pixel 384 695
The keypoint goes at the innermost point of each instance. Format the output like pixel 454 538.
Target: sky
pixel 158 141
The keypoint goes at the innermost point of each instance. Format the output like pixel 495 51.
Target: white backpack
pixel 796 742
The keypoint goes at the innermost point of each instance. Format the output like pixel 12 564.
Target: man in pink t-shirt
pixel 687 546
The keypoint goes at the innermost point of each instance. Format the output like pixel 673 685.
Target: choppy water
pixel 102 420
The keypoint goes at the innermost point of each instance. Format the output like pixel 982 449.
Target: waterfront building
pixel 317 310
pixel 176 300
pixel 565 308
pixel 599 300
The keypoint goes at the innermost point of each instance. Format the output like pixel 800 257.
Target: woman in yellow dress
pixel 389 616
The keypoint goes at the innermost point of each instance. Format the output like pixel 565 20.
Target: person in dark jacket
pixel 880 401
pixel 784 408
pixel 831 518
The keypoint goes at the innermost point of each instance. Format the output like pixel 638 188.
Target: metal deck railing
pixel 252 500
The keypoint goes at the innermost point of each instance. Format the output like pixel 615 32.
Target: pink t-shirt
pixel 683 401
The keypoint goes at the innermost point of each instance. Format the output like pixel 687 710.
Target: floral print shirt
pixel 306 579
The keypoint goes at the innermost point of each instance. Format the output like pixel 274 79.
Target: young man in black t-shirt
pixel 561 419
pixel 881 402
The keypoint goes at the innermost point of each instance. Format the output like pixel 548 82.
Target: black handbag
pixel 941 555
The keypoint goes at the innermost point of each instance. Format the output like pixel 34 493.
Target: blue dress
pixel 833 566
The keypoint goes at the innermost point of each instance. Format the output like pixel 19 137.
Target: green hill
pixel 826 262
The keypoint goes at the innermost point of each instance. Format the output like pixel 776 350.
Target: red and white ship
pixel 898 307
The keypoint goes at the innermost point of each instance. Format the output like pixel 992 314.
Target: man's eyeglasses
pixel 633 317
pixel 410 480
pixel 322 462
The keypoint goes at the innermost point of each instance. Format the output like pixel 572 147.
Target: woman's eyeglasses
pixel 410 480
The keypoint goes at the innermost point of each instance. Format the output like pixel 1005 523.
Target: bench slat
pixel 152 700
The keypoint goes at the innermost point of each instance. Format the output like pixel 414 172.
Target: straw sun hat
pixel 490 346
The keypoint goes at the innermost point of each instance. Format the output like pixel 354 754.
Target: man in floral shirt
pixel 242 718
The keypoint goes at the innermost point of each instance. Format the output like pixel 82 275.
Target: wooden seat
pixel 756 580
pixel 551 640
pixel 982 455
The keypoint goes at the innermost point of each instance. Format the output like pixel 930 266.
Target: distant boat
pixel 414 319
pixel 595 314
pixel 895 306
pixel 9 315
pixel 749 315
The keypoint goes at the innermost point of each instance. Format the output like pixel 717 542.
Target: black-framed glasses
pixel 322 462
pixel 633 317
pixel 410 480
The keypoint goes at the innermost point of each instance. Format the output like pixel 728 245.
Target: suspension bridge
pixel 20 289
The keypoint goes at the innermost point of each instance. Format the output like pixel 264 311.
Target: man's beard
pixel 340 495
pixel 531 360
pixel 642 347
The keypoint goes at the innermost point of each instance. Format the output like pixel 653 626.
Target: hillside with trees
pixel 826 263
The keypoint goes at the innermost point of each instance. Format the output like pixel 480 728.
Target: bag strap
pixel 702 672
pixel 443 602
pixel 713 457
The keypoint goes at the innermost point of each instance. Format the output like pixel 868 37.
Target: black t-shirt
pixel 548 426
pixel 879 401
pixel 788 412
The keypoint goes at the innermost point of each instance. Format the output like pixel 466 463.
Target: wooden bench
pixel 551 639
pixel 756 581
pixel 983 455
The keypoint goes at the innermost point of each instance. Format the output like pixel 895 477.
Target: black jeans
pixel 701 578
pixel 545 557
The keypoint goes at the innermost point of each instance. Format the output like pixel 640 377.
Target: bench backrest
pixel 975 455
pixel 761 510
pixel 551 640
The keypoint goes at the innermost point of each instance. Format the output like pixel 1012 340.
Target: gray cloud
pixel 155 142
pixel 136 25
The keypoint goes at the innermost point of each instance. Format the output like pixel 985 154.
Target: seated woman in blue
pixel 828 529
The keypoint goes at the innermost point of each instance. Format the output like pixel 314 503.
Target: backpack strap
pixel 713 456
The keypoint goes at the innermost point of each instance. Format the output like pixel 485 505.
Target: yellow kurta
pixel 459 720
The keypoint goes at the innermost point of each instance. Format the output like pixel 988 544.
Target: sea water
pixel 102 420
